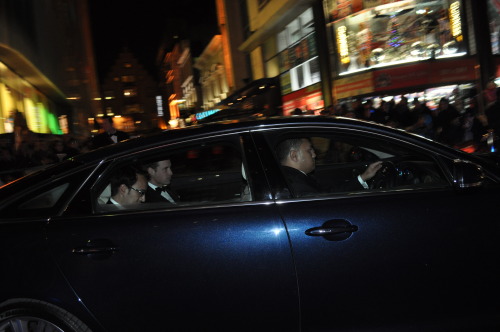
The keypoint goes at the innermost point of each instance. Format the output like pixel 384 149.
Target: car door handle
pixel 333 230
pixel 99 248
pixel 321 231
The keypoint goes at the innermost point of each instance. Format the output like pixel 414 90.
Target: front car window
pixel 339 161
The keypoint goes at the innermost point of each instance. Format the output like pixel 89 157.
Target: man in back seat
pixel 159 176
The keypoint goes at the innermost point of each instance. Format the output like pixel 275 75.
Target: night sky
pixel 141 25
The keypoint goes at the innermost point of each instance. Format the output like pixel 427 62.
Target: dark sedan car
pixel 241 250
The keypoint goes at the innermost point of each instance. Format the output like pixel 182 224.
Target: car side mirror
pixel 467 174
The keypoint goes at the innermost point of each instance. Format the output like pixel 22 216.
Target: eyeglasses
pixel 141 192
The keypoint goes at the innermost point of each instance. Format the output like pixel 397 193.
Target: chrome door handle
pixel 333 230
pixel 321 231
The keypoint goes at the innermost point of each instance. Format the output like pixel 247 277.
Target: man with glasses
pixel 128 188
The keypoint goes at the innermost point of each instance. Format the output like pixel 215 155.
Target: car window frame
pixel 77 177
pixel 241 139
pixel 267 138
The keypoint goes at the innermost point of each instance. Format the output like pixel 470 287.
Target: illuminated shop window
pixel 299 28
pixel 395 33
pixel 297 58
pixel 305 74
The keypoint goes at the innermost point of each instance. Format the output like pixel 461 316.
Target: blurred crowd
pixel 449 123
pixel 31 151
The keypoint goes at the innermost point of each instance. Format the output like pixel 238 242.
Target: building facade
pixel 47 69
pixel 179 84
pixel 285 42
pixel 213 75
pixel 129 94
pixel 232 19
pixel 328 51
pixel 420 49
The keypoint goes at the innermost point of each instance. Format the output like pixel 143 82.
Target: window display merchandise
pixel 397 32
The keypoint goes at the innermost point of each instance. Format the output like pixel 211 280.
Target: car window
pixel 46 199
pixel 201 173
pixel 49 197
pixel 342 161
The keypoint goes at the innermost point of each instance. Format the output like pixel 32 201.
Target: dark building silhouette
pixel 129 93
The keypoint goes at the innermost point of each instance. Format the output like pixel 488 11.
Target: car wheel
pixel 26 315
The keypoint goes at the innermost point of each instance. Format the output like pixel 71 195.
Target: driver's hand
pixel 371 170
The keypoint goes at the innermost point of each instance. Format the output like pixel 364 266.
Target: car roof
pixel 238 125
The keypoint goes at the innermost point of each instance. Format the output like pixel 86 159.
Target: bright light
pixel 159 106
pixel 277 231
pixel 455 22
pixel 342 44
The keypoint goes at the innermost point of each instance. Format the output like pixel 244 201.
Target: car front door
pixel 415 255
pixel 204 264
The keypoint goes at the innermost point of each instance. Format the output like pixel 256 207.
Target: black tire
pixel 27 315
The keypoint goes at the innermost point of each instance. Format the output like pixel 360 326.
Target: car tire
pixel 27 315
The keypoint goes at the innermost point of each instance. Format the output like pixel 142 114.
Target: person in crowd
pixel 400 113
pixel 128 188
pixel 327 111
pixel 72 147
pixel 492 113
pixel 357 108
pixel 419 119
pixel 342 109
pixel 297 159
pixel 381 114
pixel 43 154
pixel 58 148
pixel 110 135
pixel 474 125
pixel 22 133
pixel 447 123
pixel 159 175
pixel 297 111
pixel 366 110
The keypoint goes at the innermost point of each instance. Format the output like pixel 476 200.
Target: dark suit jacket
pixel 307 185
pixel 104 139
pixel 155 196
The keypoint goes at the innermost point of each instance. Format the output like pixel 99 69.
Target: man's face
pixel 106 125
pixel 162 175
pixel 306 157
pixel 133 196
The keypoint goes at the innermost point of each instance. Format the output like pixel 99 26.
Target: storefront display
pixel 16 94
pixel 379 35
pixel 403 78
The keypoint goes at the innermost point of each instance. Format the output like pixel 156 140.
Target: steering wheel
pixel 385 177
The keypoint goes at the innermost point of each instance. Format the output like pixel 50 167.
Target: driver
pixel 297 158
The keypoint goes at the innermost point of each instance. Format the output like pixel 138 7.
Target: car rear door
pixel 415 257
pixel 222 265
